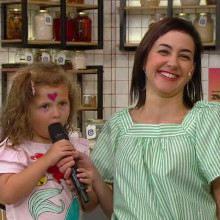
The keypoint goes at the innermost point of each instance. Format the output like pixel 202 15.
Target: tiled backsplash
pixel 117 64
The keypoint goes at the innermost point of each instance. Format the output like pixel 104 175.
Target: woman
pixel 162 156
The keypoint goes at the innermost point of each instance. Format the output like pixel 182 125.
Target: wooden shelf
pixel 10 1
pixel 165 7
pixel 86 71
pixel 82 108
pixel 11 41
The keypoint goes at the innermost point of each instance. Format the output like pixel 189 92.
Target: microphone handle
pixel 80 187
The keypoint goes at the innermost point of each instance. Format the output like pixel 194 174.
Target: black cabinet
pixel 62 6
pixel 91 70
pixel 126 11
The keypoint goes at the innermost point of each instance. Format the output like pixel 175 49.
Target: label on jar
pixel 45 57
pixel 48 19
pixel 90 132
pixel 60 59
pixel 29 57
pixel 202 21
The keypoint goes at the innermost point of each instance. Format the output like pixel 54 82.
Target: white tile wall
pixel 118 64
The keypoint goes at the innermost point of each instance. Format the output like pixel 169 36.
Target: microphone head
pixel 57 132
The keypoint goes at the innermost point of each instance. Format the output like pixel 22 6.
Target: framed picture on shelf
pixel 214 84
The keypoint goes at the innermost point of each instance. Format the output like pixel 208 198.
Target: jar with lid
pixel 43 26
pixel 42 55
pixel 155 18
pixel 189 2
pixel 69 28
pixel 82 27
pixel 14 24
pixel 19 56
pixel 211 2
pixel 203 23
pixel 93 130
pixel 150 3
pixel 79 60
pixel 184 16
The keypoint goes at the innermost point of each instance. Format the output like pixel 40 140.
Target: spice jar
pixel 42 55
pixel 154 18
pixel 204 25
pixel 79 60
pixel 150 3
pixel 14 24
pixel 83 27
pixel 93 130
pixel 19 56
pixel 69 28
pixel 43 26
pixel 211 2
pixel 189 2
pixel 184 16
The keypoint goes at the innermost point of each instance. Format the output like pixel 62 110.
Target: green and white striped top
pixel 162 171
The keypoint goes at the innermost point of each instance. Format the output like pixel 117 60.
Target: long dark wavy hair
pixel 138 82
pixel 15 119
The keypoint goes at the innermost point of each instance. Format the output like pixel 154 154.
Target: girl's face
pixel 169 63
pixel 50 105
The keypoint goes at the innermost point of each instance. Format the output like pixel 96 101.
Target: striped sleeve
pixel 208 141
pixel 103 153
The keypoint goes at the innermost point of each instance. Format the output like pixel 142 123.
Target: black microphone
pixel 57 132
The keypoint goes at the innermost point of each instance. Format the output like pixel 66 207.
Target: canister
pixel 184 16
pixel 79 60
pixel 43 26
pixel 204 25
pixel 150 3
pixel 93 130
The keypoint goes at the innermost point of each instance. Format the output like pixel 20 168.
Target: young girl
pixel 31 185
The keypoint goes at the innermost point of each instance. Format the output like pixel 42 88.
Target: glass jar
pixel 43 26
pixel 150 3
pixel 155 18
pixel 211 2
pixel 93 130
pixel 189 2
pixel 14 24
pixel 82 27
pixel 204 25
pixel 79 60
pixel 184 16
pixel 42 55
pixel 69 28
pixel 19 56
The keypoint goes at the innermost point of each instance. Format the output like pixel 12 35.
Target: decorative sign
pixel 214 84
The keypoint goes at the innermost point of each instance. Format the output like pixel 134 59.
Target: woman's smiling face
pixel 169 63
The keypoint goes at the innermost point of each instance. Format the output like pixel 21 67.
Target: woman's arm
pixel 216 194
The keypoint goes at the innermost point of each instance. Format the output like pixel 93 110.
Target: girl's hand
pixel 59 150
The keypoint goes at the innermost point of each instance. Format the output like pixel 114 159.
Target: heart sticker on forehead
pixel 52 96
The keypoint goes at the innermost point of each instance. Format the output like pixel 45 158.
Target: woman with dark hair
pixel 162 157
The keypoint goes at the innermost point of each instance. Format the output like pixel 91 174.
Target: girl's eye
pixel 44 107
pixel 63 104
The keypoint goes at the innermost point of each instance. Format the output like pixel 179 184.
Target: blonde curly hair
pixel 15 120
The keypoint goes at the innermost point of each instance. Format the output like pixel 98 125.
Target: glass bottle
pixel 82 27
pixel 14 24
pixel 184 16
pixel 150 3
pixel 69 28
pixel 189 2
pixel 211 2
pixel 42 55
pixel 43 26
pixel 154 18
pixel 204 25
